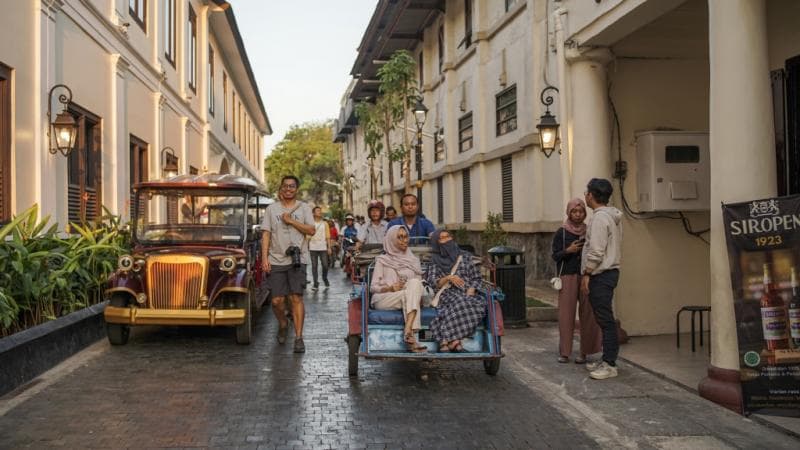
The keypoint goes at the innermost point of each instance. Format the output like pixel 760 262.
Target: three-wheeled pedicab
pixel 196 257
pixel 378 334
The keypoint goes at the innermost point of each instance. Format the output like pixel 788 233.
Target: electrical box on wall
pixel 673 171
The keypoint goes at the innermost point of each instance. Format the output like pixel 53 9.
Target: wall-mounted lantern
pixel 169 162
pixel 548 126
pixel 63 130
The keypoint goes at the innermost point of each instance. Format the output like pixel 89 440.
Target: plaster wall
pixel 663 267
pixel 783 34
pixel 140 112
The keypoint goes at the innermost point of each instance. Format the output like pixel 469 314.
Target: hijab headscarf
pixel 444 256
pixel 569 225
pixel 396 258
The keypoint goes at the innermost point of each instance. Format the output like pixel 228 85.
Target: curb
pixel 29 353
pixel 541 314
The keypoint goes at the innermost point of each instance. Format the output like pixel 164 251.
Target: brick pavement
pixel 179 387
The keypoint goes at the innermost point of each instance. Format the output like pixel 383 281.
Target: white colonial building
pixel 683 104
pixel 151 84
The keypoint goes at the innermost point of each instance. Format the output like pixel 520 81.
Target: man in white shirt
pixel 320 247
pixel 374 231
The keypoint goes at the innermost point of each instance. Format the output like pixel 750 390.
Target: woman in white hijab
pixel 397 283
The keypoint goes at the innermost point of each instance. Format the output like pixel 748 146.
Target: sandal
pixel 580 360
pixel 563 359
pixel 413 345
pixel 444 347
pixel 456 346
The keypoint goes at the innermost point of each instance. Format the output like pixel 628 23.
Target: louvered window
pixel 5 143
pixel 440 199
pixel 438 145
pixel 138 169
pixel 465 133
pixel 84 179
pixel 508 191
pixel 467 196
pixel 506 112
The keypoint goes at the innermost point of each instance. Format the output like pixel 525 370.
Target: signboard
pixel 763 238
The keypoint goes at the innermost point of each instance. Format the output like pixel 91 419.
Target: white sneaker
pixel 604 371
pixel 593 365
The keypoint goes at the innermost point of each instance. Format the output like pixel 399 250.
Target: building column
pixel 742 163
pixel 116 162
pixel 588 126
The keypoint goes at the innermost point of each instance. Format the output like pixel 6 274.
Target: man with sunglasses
pixel 286 224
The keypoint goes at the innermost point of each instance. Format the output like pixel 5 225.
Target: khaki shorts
pixel 287 280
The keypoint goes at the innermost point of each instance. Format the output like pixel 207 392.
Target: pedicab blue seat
pixel 395 317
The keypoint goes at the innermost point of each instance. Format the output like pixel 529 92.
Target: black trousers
pixel 316 258
pixel 601 294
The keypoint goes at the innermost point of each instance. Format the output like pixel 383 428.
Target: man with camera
pixel 284 252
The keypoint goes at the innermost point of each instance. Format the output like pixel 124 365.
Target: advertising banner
pixel 763 238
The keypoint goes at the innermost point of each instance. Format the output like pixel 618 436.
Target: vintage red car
pixel 196 257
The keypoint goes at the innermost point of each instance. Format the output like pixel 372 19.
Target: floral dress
pixel 457 314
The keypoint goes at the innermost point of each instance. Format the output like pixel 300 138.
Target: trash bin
pixel 510 277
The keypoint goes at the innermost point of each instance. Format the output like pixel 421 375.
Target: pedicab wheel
pixel 491 366
pixel 244 332
pixel 118 333
pixel 353 342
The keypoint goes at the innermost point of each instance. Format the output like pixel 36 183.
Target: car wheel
pixel 353 342
pixel 118 333
pixel 244 332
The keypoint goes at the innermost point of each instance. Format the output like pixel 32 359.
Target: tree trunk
pixel 407 148
pixel 373 184
pixel 388 148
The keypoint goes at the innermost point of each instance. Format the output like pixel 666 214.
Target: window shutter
pixel 440 199
pixel 467 197
pixel 508 190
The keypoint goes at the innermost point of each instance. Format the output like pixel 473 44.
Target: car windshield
pixel 191 215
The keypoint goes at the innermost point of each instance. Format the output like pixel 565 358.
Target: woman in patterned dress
pixel 460 307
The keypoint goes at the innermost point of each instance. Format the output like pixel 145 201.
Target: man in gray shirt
pixel 284 252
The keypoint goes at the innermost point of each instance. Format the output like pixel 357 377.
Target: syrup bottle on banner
pixel 794 311
pixel 773 315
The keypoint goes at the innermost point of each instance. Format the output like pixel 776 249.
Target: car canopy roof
pixel 207 180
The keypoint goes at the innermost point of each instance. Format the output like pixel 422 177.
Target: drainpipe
pixel 559 17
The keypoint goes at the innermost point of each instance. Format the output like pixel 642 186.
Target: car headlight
pixel 227 264
pixel 137 265
pixel 125 263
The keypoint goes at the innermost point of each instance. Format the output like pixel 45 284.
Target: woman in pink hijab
pixel 397 283
pixel 567 244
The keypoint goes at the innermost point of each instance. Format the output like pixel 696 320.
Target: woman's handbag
pixel 555 282
pixel 435 301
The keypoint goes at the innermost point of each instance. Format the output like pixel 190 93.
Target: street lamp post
pixel 420 114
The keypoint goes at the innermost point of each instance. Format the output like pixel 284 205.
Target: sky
pixel 301 52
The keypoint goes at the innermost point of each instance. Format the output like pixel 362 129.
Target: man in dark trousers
pixel 600 267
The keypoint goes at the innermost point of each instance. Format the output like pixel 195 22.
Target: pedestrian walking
pixel 284 252
pixel 567 244
pixel 320 248
pixel 600 260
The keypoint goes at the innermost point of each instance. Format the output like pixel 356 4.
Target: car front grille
pixel 176 281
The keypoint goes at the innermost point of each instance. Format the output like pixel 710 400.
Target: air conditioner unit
pixel 673 171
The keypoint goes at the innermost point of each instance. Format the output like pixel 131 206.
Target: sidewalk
pixel 660 356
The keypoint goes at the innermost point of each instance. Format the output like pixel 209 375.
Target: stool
pixel 694 310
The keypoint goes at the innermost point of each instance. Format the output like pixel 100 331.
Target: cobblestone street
pixel 173 387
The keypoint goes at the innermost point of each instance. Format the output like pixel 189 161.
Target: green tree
pixel 308 152
pixel 398 85
pixel 368 118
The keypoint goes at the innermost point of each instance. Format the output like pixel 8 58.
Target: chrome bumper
pixel 147 316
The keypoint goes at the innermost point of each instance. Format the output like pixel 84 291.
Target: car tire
pixel 353 342
pixel 244 332
pixel 118 333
